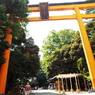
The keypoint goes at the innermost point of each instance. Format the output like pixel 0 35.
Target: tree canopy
pixel 65 60
pixel 10 13
pixel 24 58
pixel 55 40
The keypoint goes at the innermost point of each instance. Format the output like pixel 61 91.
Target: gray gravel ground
pixel 53 92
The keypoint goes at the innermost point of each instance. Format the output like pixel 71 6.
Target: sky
pixel 40 29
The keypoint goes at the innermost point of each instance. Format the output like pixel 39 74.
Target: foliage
pixel 24 60
pixel 3 42
pixel 3 46
pixel 41 78
pixel 55 40
pixel 65 57
pixel 18 8
pixel 31 50
pixel 10 12
pixel 51 42
pixel 73 54
pixel 90 28
pixel 58 62
pixel 82 66
pixel 78 56
pixel 90 11
pixel 17 68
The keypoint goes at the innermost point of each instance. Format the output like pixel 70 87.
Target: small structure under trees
pixel 66 82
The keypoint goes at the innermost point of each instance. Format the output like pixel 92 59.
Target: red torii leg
pixel 4 67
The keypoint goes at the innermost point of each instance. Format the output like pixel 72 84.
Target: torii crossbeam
pixel 76 6
pixel 62 7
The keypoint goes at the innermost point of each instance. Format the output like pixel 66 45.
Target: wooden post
pixel 66 85
pixel 71 85
pixel 87 48
pixel 59 90
pixel 4 67
pixel 56 85
pixel 85 84
pixel 63 91
pixel 79 83
pixel 77 89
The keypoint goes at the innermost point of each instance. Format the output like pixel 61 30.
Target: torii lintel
pixel 62 7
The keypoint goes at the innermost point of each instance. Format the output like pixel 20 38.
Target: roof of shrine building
pixel 65 76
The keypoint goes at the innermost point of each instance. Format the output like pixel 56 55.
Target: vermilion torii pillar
pixel 4 67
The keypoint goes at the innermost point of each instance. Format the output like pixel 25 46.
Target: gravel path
pixel 53 92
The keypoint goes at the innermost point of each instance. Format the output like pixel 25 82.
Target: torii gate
pixel 76 6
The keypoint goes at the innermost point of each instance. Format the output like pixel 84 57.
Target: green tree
pixel 32 51
pixel 55 40
pixel 90 11
pixel 77 55
pixel 3 42
pixel 24 62
pixel 90 28
pixel 68 59
pixel 41 78
pixel 17 68
pixel 59 61
pixel 13 14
